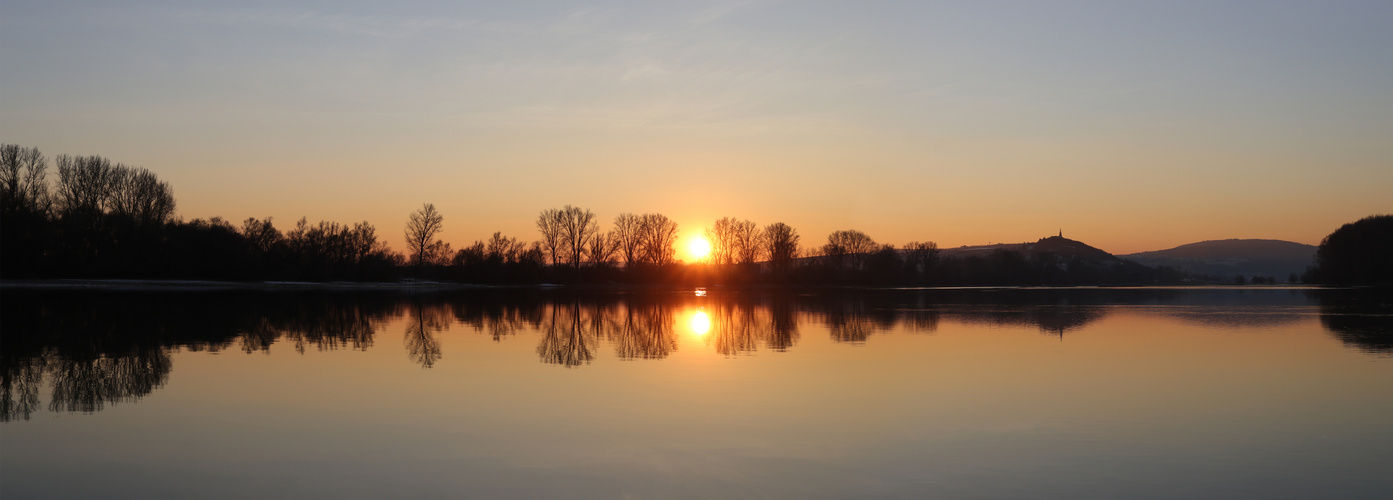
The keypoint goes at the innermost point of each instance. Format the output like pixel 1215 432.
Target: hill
pixel 1227 258
pixel 1059 246
pixel 1055 260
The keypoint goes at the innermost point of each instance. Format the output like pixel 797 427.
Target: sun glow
pixel 698 248
pixel 700 323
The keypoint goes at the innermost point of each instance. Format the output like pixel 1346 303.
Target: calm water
pixel 1086 393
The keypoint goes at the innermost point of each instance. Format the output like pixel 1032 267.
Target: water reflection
pixel 1360 319
pixel 421 344
pixel 90 350
pixel 570 335
pixel 644 330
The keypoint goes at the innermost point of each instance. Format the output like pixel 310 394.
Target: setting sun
pixel 698 248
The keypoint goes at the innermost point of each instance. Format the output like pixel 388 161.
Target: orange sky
pixel 1130 128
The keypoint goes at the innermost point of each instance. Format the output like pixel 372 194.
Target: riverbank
pixel 200 285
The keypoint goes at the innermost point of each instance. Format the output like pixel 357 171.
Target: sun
pixel 698 248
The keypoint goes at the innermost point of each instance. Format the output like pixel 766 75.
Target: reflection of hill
pixel 1055 320
pixel 1229 317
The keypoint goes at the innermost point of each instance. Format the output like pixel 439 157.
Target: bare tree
pixel 921 257
pixel 138 194
pixel 84 184
pixel 748 242
pixel 781 244
pixel 848 249
pixel 363 242
pixel 504 250
pixel 659 236
pixel 577 227
pixel 566 232
pixel 628 237
pixel 261 233
pixel 601 249
pixel 549 224
pixel 735 241
pixel 722 240
pixel 23 187
pixel 421 229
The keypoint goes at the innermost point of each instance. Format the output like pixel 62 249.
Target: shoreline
pixel 209 285
pixel 206 285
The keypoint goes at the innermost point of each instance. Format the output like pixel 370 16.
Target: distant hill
pixel 1074 261
pixel 1228 258
pixel 1060 246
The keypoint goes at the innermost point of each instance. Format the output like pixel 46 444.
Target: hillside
pixel 1055 260
pixel 1064 248
pixel 1226 258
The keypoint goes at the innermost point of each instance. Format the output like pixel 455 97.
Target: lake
pixel 507 393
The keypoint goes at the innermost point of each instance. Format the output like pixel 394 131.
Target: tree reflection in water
pixel 89 385
pixel 854 319
pixel 1361 319
pixel 93 349
pixel 735 328
pixel 568 339
pixel 21 381
pixel 421 345
pixel 645 330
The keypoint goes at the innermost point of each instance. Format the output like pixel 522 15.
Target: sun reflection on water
pixel 700 323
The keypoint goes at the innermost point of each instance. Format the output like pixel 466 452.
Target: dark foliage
pixel 1358 253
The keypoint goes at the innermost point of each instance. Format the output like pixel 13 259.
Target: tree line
pixel 100 219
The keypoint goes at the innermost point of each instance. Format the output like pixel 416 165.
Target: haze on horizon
pixel 1131 127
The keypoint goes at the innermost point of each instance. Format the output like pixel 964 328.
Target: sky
pixel 1131 126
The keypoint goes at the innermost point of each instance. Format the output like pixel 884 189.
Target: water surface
pixel 1065 393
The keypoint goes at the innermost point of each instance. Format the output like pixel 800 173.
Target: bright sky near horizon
pixel 1132 126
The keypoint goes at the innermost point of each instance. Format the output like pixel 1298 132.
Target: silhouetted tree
pixel 659 236
pixel 781 242
pixel 601 249
pixel 421 228
pixel 84 185
pixel 139 195
pixel 549 223
pixel 884 265
pixel 749 242
pixel 920 258
pixel 262 234
pixel 847 249
pixel 577 227
pixel 25 208
pixel 721 235
pixel 628 237
pixel 1358 253
pixel 23 183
